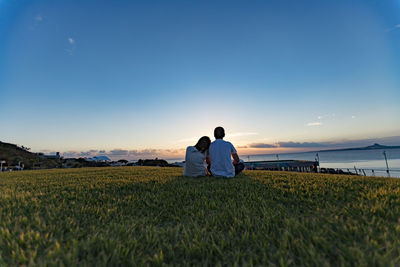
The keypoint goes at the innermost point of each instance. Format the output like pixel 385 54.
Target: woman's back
pixel 194 162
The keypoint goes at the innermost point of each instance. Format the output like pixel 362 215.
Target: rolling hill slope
pixel 14 154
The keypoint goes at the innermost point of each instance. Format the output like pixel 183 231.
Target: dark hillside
pixel 13 154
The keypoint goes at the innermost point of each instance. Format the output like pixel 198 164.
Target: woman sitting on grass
pixel 195 158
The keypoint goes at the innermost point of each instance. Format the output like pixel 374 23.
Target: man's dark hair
pixel 219 133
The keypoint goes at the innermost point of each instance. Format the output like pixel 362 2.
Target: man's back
pixel 220 152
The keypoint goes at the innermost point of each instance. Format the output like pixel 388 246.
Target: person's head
pixel 219 132
pixel 203 144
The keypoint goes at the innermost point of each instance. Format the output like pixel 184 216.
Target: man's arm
pixel 235 158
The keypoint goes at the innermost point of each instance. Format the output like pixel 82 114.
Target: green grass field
pixel 154 216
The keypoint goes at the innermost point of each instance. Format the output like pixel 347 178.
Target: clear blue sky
pixel 134 75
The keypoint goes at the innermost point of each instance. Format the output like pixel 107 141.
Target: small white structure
pixel 18 168
pixel 1 164
pixel 99 159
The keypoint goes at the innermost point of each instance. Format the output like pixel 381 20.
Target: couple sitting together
pixel 216 156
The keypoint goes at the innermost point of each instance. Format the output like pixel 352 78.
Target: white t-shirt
pixel 194 162
pixel 220 156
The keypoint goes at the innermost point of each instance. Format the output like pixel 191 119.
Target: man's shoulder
pixel 220 141
pixel 214 143
pixel 227 143
pixel 221 144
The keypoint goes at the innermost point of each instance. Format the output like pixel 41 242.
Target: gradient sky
pixel 154 76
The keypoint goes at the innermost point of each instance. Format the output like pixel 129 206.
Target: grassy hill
pixel 145 215
pixel 13 154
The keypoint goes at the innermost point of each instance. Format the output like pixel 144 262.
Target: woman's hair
pixel 206 140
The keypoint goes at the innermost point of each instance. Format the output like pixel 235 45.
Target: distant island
pixel 374 146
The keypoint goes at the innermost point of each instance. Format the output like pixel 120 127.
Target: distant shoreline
pixel 373 147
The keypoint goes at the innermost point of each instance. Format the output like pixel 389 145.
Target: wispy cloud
pixel 37 21
pixel 326 116
pixel 39 18
pixel 317 123
pixel 71 46
pixel 395 27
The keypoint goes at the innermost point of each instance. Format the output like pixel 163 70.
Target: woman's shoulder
pixel 191 149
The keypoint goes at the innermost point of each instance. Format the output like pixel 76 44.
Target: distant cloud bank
pixel 314 123
pixel 289 144
pixel 261 145
pixel 394 140
pixel 135 154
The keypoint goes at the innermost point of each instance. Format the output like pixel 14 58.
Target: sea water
pixel 372 162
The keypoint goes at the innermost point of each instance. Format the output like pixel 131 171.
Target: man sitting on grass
pixel 219 160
